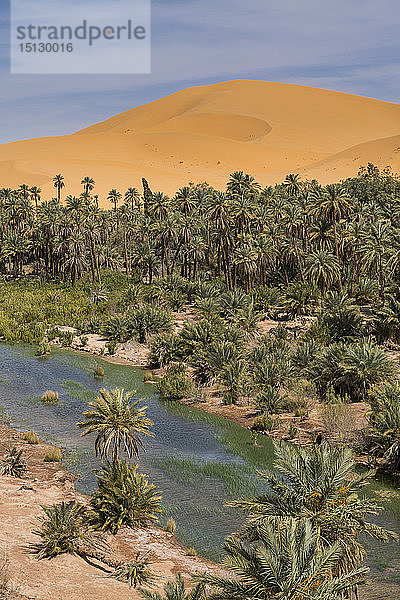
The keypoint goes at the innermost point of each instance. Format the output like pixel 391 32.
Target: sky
pixel 345 45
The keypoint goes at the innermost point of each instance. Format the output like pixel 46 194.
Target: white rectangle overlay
pixel 75 37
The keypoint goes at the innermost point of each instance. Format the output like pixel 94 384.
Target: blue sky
pixel 346 45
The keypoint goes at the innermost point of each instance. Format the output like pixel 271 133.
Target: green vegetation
pixel 124 498
pixel 322 261
pixel 99 372
pixel 117 421
pixel 64 530
pixel 318 486
pixel 287 563
pixel 13 464
pixel 175 590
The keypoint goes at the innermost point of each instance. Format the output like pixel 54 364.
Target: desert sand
pixel 205 133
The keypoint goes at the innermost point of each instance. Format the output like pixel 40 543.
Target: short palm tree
pixel 64 529
pixel 118 422
pixel 385 424
pixel 287 563
pixel 124 498
pixel 175 590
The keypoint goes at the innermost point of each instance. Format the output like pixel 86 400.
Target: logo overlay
pixel 75 37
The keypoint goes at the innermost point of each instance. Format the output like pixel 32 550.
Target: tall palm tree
pixel 322 269
pixel 292 184
pixel 59 184
pixel 88 184
pixel 118 423
pixel 287 563
pixel 114 197
pixel 35 194
pixel 133 196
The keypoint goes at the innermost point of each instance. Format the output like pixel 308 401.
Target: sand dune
pixel 205 133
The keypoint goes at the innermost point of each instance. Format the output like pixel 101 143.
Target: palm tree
pixel 384 423
pixel 376 249
pixel 133 196
pixel 88 184
pixel 286 563
pixel 366 365
pixel 316 485
pixel 59 184
pixel 322 269
pixel 175 590
pixel 333 204
pixel 64 530
pixel 246 261
pixel 114 197
pixel 35 194
pixel 293 184
pixel 118 422
pixel 124 498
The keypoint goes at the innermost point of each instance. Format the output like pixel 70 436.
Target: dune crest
pixel 205 133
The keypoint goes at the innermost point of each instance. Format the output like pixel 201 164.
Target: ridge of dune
pixel 206 132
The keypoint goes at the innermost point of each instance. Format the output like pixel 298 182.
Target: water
pixel 184 439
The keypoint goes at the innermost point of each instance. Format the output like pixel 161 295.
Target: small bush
pixel 171 526
pixel 191 552
pixel 264 423
pixel 13 464
pixel 67 337
pixel 43 349
pixel 31 437
pixel 148 376
pixel 98 372
pixel 84 341
pixel 50 397
pixel 124 498
pixel 174 385
pixel 53 455
pixel 111 346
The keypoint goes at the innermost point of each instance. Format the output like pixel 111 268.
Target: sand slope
pixel 205 133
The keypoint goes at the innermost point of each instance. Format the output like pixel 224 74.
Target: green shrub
pixel 98 372
pixel 111 346
pixel 124 498
pixel 67 337
pixel 53 455
pixel 31 437
pixel 50 397
pixel 146 320
pixel 165 348
pixel 264 423
pixel 191 551
pixel 84 341
pixel 175 384
pixel 43 349
pixel 13 464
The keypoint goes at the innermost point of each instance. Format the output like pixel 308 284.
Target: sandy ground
pixel 69 577
pixel 207 132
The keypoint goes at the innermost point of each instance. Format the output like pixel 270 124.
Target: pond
pixel 197 460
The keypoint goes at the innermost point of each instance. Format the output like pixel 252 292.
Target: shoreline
pixel 46 483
